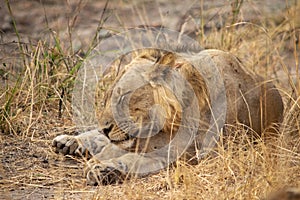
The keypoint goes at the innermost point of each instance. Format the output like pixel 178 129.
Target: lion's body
pixel 116 151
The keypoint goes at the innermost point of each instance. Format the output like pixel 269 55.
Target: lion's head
pixel 141 111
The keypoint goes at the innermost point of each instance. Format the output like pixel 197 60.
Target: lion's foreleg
pixel 103 169
pixel 91 142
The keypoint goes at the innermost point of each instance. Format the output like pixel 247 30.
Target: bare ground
pixel 29 169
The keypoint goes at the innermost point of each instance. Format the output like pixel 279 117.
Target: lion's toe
pixel 65 144
pixel 100 174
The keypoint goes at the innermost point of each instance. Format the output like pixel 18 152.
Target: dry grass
pixel 35 101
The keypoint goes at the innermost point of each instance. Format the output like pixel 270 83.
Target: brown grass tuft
pixel 36 79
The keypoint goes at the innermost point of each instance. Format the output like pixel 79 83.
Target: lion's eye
pixel 122 98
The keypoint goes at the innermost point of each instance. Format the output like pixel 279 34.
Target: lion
pixel 137 123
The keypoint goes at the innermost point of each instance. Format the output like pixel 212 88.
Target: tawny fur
pixel 251 101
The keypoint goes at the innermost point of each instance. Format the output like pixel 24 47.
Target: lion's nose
pixel 108 129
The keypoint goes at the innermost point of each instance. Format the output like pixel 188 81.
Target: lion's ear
pixel 167 59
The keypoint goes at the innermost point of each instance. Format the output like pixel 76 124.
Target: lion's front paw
pixel 68 145
pixel 104 173
pixel 65 144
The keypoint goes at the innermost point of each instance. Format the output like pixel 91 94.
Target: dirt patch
pixel 265 36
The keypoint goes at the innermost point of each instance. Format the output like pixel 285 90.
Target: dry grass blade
pixel 36 86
